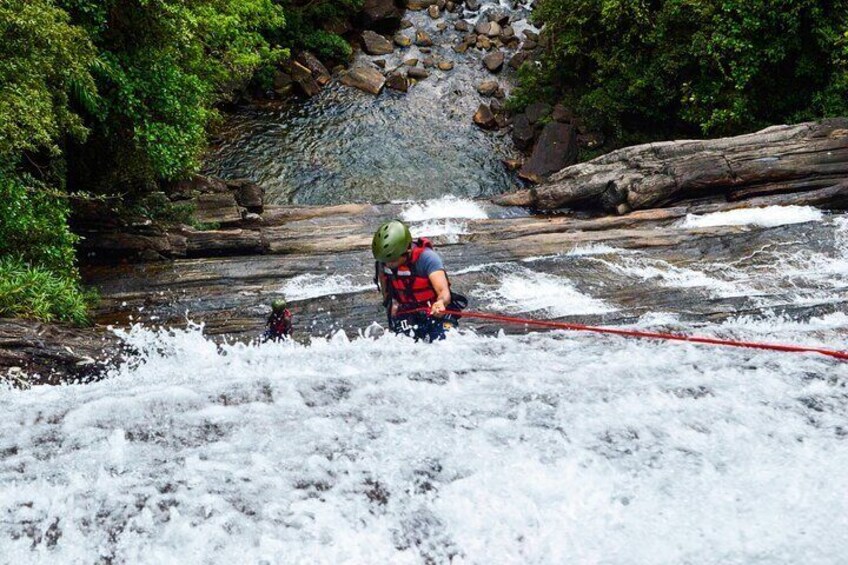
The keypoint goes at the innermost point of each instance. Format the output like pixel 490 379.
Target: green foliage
pixel 163 65
pixel 666 67
pixel 44 65
pixel 308 22
pixel 40 293
pixel 38 275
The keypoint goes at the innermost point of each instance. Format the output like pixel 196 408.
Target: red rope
pixel 646 335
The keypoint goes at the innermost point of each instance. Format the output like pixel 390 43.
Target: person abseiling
pixel 411 276
pixel 279 323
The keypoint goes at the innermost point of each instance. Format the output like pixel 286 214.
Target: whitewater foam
pixel 541 448
pixel 443 208
pixel 522 290
pixel 769 216
pixel 309 285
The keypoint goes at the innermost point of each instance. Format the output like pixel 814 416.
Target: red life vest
pixel 407 288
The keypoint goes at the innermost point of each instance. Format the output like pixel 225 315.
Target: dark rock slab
pixel 555 150
pixel 523 132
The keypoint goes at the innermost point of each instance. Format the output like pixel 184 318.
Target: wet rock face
pixel 32 353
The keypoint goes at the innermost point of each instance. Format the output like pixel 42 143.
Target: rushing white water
pixel 540 448
pixel 545 448
pixel 442 208
pixel 303 287
pixel 768 216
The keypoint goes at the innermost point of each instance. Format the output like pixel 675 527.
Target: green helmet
pixel 278 306
pixel 391 241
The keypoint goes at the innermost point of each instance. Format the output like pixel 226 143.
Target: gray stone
pixel 401 40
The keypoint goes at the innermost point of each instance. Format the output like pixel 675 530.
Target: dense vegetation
pixel 647 69
pixel 114 97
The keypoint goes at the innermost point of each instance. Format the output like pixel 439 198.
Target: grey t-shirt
pixel 428 263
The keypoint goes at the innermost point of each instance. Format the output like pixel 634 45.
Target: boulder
pixel 487 87
pixel 484 117
pixel 517 60
pixel 248 195
pixel 283 83
pixel 499 16
pixel 472 5
pixel 562 114
pixel 428 62
pixel 368 79
pixel 422 39
pixel 489 29
pixel 555 150
pixel 417 73
pixel 316 67
pixel 411 62
pixel 522 132
pixel 494 61
pixel 380 63
pixel 529 45
pixel 531 35
pixel 397 81
pixel 419 4
pixel 303 78
pixel 445 65
pixel 434 12
pixel 507 33
pixel 375 44
pixel 537 111
pixel 401 40
pixel 462 26
pixel 382 14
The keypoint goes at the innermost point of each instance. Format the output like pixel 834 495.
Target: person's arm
pixel 439 280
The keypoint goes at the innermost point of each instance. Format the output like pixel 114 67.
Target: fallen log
pixel 777 160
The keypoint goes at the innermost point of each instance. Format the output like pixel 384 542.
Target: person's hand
pixel 437 309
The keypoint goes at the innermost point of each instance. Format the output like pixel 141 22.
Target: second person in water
pixel 415 287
